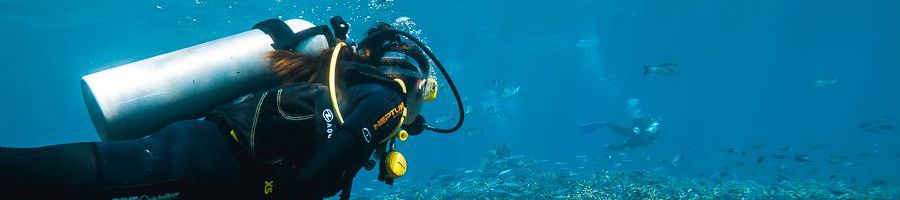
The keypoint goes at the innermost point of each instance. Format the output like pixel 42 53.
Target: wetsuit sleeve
pixel 351 145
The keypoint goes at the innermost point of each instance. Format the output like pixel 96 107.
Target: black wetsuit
pixel 280 143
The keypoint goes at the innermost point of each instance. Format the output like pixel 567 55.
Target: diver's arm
pixel 350 146
pixel 624 131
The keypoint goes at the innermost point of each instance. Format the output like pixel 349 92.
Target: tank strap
pixel 286 39
pixel 275 28
pixel 289 43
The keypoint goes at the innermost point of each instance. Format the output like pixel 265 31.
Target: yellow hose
pixel 332 88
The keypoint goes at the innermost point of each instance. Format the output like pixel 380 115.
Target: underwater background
pixel 762 99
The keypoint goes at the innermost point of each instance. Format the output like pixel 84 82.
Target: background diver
pixel 275 143
pixel 642 132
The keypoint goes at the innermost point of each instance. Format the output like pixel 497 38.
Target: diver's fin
pixel 591 127
pixel 621 130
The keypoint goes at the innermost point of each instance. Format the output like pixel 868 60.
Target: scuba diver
pixel 641 133
pixel 334 111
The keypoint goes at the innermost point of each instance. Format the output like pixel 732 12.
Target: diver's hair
pixel 293 67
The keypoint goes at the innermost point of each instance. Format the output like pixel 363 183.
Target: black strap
pixel 284 37
pixel 341 27
pixel 275 28
pixel 289 43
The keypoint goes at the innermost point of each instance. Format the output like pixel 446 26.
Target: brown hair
pixel 293 67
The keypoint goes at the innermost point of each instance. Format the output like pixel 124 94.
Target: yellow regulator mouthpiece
pixel 396 164
pixel 431 89
pixel 403 135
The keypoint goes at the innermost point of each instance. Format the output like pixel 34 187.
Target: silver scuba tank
pixel 136 99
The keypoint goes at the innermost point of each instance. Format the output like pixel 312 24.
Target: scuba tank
pixel 136 99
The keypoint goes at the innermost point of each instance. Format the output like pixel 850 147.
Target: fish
pixel 493 109
pixel 760 159
pixel 802 158
pixel 510 92
pixel 781 179
pixel 662 69
pixel 676 159
pixel 813 171
pixel 886 127
pixel 836 159
pixel 515 157
pixel 864 155
pixel 837 192
pixel 880 124
pixel 473 132
pixel 369 189
pixel 878 182
pixel 504 172
pixel 496 83
pixel 743 153
pixel 826 83
pixel 867 127
pixel 723 174
pixel 444 118
pixel 864 125
pixel 786 148
pixel 833 177
pixel 731 150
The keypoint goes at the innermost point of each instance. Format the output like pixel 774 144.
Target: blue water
pixel 748 76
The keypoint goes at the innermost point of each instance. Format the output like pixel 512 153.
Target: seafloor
pixel 549 184
pixel 546 181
